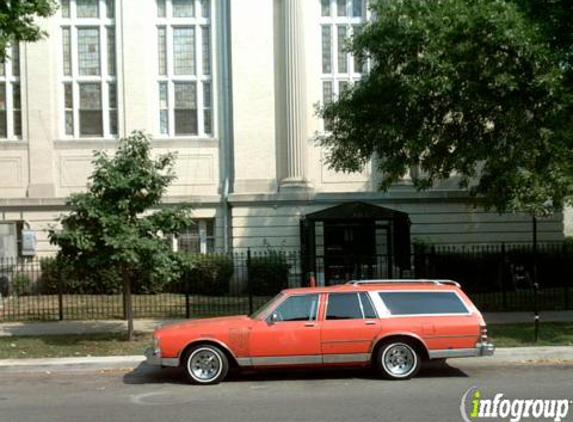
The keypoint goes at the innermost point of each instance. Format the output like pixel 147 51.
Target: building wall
pixel 275 221
pixel 242 165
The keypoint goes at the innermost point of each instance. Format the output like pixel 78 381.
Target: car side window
pixel 423 303
pixel 298 308
pixel 367 306
pixel 343 306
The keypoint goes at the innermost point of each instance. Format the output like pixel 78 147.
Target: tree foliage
pixel 17 21
pixel 119 221
pixel 475 90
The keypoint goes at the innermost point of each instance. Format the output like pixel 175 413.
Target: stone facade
pixel 258 171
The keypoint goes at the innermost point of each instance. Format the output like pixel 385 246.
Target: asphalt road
pixel 152 395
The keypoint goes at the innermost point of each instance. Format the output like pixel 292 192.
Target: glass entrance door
pixel 349 251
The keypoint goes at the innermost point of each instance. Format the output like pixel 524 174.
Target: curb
pixel 70 364
pixel 515 355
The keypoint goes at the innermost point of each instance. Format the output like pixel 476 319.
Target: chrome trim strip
pixel 348 341
pixel 404 281
pixel 356 357
pixel 303 360
pixel 450 337
pixel 244 362
pixel 287 360
pixel 173 362
pixel 452 353
pixel 481 349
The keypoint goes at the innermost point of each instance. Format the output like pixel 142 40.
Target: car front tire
pixel 397 360
pixel 205 364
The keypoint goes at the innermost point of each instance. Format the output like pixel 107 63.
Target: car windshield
pixel 263 309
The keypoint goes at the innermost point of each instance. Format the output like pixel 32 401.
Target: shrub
pixel 268 274
pixel 52 271
pixel 4 286
pixel 56 270
pixel 21 284
pixel 208 275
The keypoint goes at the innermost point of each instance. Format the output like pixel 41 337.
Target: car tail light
pixel 483 333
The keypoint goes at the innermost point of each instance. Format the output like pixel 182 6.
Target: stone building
pixel 231 86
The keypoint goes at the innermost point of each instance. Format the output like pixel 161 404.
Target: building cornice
pixel 7 204
pixel 402 195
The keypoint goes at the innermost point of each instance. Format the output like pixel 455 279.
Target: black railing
pixel 497 278
pixel 214 285
pixel 503 277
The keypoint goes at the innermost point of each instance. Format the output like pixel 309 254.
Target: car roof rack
pixel 405 281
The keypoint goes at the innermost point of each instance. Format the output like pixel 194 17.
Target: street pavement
pixel 147 394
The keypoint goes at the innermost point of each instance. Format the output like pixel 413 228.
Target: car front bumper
pixel 153 357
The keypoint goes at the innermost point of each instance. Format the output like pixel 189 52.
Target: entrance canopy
pixel 358 211
pixel 356 239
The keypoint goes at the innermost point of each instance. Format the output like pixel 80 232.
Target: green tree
pixel 17 21
pixel 119 222
pixel 475 90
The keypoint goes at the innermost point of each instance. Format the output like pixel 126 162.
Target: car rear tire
pixel 397 360
pixel 205 364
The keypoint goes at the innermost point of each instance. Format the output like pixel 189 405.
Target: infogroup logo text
pixel 475 407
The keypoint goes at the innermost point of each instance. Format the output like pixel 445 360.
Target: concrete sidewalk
pixel 148 325
pixel 75 327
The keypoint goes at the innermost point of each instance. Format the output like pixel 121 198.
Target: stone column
pixel 295 94
pixel 40 111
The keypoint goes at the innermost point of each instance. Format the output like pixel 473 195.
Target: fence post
pixel 124 299
pixel 249 286
pixel 187 295
pixel 565 285
pixel 420 264
pixel 536 311
pixel 503 276
pixel 60 296
pixel 431 263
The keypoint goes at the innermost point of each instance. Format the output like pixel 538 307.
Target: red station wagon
pixel 392 325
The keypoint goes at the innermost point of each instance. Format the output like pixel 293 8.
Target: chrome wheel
pixel 206 365
pixel 398 361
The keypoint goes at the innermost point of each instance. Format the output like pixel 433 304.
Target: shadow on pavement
pixel 146 374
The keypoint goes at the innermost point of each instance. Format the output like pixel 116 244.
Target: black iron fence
pixel 504 277
pixel 497 278
pixel 214 285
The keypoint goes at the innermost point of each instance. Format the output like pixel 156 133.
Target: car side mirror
pixel 273 318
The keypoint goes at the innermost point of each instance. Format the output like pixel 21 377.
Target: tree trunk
pixel 128 308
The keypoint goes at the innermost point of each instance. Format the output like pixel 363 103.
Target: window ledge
pixel 105 143
pixel 13 144
pixel 86 143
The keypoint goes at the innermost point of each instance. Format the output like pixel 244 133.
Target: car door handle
pixel 370 323
pixel 309 324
